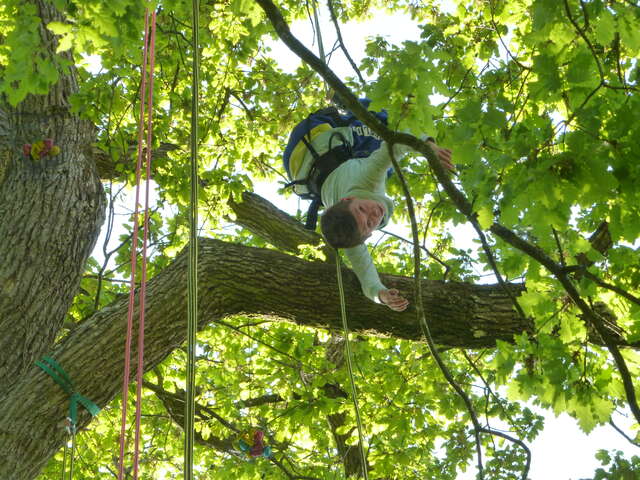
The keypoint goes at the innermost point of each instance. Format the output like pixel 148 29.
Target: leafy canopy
pixel 539 102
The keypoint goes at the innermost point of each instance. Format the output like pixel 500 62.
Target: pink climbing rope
pixel 148 58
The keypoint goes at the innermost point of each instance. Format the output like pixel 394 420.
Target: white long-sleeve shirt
pixel 363 178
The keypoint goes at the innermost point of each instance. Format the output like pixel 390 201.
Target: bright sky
pixel 562 451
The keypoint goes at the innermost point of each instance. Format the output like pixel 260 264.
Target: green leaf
pixel 65 43
pixel 547 70
pixel 544 12
pixel 485 217
pixel 59 28
pixel 582 68
pixel 585 417
pixel 629 32
pixel 572 329
pixel 470 113
pixel 605 27
pixel 603 457
pixel 495 118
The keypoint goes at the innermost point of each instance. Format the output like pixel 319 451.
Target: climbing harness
pixel 321 168
pixel 354 393
pixel 57 373
pixel 148 65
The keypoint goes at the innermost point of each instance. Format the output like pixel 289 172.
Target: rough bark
pixel 233 279
pixel 50 214
pixel 280 229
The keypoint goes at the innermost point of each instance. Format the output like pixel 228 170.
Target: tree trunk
pixel 51 210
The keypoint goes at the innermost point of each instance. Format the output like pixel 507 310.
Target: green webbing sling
pixel 57 373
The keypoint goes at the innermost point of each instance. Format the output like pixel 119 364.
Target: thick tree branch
pixel 233 279
pixel 280 229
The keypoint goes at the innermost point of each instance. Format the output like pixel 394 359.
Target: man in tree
pixel 345 164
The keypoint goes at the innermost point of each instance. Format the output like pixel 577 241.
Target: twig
pixel 244 105
pixel 271 347
pixel 455 94
pixel 609 286
pixel 492 431
pixel 587 41
pixel 621 432
pixel 112 280
pixel 334 19
pixel 495 27
pixel 426 250
pixel 488 387
pixel 518 442
pixel 514 115
pixel 560 253
pixel 494 266
pixel 616 40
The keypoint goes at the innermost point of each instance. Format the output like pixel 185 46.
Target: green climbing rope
pixel 192 283
pixel 65 454
pixel 354 394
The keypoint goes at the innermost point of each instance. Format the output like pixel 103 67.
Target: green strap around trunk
pixel 55 371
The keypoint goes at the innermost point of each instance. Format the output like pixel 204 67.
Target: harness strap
pixel 323 165
pixel 310 147
pixel 312 214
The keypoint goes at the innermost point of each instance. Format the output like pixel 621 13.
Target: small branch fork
pixel 459 199
pixel 601 73
pixel 334 19
pixel 583 35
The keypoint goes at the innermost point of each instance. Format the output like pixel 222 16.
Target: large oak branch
pixel 233 279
